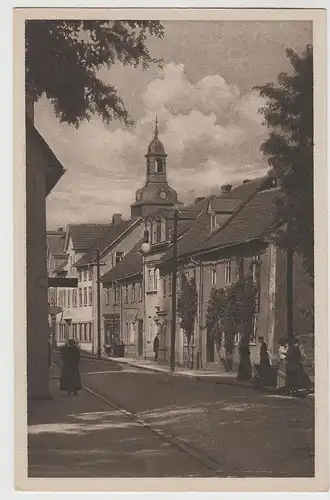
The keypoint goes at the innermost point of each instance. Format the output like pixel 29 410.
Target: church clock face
pixel 163 194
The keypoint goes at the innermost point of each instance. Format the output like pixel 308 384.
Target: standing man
pixel 156 347
pixel 264 358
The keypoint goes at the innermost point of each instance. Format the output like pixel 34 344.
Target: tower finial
pixel 156 128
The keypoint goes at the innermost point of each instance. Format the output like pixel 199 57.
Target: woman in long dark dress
pixel 70 376
pixel 244 367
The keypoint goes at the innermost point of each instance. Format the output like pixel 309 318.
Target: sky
pixel 207 113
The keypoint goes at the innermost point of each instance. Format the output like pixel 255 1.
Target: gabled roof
pixel 107 238
pixel 251 222
pixel 52 166
pixel 84 235
pixel 130 265
pixel 55 242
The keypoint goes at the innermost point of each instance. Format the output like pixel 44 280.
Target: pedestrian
pixel 244 367
pixel 305 379
pixel 264 359
pixel 294 368
pixel 281 384
pixel 156 347
pixel 70 376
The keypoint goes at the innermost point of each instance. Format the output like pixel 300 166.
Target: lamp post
pixel 145 248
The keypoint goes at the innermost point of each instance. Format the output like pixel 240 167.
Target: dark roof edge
pixel 121 278
pixel 109 246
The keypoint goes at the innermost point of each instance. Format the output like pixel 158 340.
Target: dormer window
pixel 160 165
pixel 213 222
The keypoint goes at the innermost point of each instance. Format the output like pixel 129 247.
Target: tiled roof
pixel 246 188
pixel 252 217
pixel 106 239
pixel 195 234
pixel 130 265
pixel 84 235
pixel 250 223
pixel 224 203
pixel 55 242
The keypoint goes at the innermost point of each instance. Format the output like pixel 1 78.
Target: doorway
pixel 209 347
pixel 140 337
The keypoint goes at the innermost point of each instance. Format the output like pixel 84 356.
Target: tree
pixel 63 60
pixel 230 312
pixel 187 311
pixel 288 114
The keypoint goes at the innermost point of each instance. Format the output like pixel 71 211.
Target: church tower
pixel 156 193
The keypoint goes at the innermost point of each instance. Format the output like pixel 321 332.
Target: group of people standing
pixel 291 374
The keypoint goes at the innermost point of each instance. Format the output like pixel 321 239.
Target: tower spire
pixel 156 128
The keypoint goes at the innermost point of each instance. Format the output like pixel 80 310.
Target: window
pixel 133 293
pixel 239 268
pixel 132 333
pixel 64 298
pixel 69 298
pixel 213 222
pixel 79 275
pixel 140 292
pixel 118 257
pixel 126 334
pixel 90 296
pixel 160 165
pixel 152 280
pixel 126 294
pixel 107 296
pixel 89 332
pixel 227 271
pixel 214 275
pixel 116 294
pixel 254 329
pixel 90 274
pixel 154 232
pixel 74 298
pixel 74 330
pixel 80 303
pixel 165 286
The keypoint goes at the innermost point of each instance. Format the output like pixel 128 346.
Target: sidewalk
pixel 84 436
pixel 205 376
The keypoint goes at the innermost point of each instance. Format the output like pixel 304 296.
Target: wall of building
pixel 132 312
pixel 36 275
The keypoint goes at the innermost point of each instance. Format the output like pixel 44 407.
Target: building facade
pixel 43 171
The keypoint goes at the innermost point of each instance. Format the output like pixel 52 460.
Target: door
pixel 140 337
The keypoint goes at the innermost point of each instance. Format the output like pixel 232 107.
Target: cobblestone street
pixel 202 429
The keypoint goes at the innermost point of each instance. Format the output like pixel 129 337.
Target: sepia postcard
pixel 171 232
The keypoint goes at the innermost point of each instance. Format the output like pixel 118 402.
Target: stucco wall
pixel 36 277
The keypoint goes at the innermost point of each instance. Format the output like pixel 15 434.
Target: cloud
pixel 211 131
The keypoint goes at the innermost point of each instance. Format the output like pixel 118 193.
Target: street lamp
pixel 145 249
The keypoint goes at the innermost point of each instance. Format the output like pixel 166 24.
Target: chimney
pixel 60 230
pixel 116 219
pixel 226 188
pixel 200 198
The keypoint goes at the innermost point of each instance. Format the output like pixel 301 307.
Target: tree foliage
pixel 288 114
pixel 187 310
pixel 63 60
pixel 230 312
